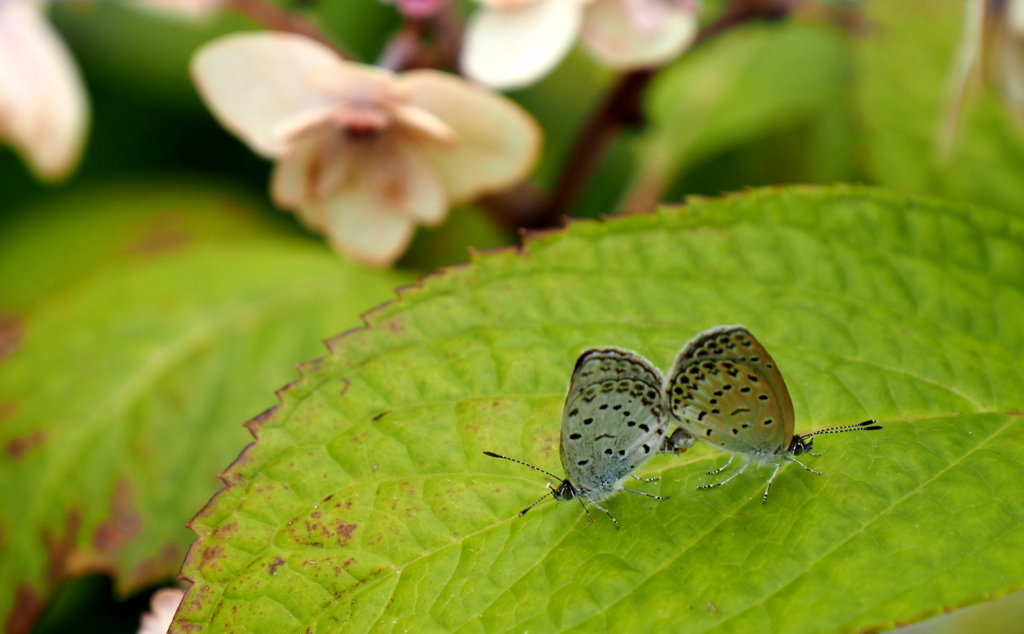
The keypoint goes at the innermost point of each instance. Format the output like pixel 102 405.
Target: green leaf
pixel 367 505
pixel 61 239
pixel 741 86
pixel 121 394
pixel 141 52
pixel 905 67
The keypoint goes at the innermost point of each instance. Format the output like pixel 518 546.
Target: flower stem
pixel 432 42
pixel 621 108
pixel 273 17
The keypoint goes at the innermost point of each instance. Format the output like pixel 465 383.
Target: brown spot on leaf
pixel 28 604
pixel 152 570
pixel 549 446
pixel 345 531
pixel 274 565
pixel 380 416
pixel 163 234
pixel 221 532
pixel 395 324
pixel 124 523
pixel 211 557
pixel 7 410
pixel 60 548
pixel 11 333
pixel 18 447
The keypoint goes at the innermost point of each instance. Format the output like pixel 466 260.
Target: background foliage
pixel 155 301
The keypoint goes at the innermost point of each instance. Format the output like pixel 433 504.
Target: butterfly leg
pixel 778 465
pixel 791 459
pixel 723 467
pixel 606 512
pixel 590 518
pixel 718 484
pixel 644 479
pixel 656 497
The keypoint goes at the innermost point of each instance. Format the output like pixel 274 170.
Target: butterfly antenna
pixel 541 499
pixel 865 426
pixel 525 464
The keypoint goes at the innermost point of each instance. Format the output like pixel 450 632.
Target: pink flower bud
pixel 418 9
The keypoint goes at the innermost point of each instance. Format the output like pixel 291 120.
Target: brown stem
pixel 432 42
pixel 273 17
pixel 620 108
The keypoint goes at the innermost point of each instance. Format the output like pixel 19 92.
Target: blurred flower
pixel 512 43
pixel 43 106
pixel 991 51
pixel 163 604
pixel 418 9
pixel 625 34
pixel 1010 56
pixel 364 155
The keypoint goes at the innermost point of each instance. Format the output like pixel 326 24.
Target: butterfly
pixel 613 421
pixel 727 390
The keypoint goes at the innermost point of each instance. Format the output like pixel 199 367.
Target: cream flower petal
pixel 314 169
pixel 616 41
pixel 513 47
pixel 498 142
pixel 287 131
pixel 646 16
pixel 358 224
pixel 254 82
pixel 1015 16
pixel 404 179
pixel 352 81
pixel 425 122
pixel 43 106
pixel 162 605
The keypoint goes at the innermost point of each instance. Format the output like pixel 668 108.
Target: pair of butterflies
pixel 723 388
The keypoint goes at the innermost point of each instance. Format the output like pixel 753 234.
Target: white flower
pixel 626 34
pixel 43 106
pixel 364 155
pixel 512 43
pixel 163 604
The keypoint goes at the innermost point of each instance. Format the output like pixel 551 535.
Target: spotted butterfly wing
pixel 725 386
pixel 613 419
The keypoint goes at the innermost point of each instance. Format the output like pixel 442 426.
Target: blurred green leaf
pixel 366 504
pixel 363 27
pixel 144 53
pixel 466 229
pixel 122 390
pixel 61 239
pixel 905 62
pixel 750 83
